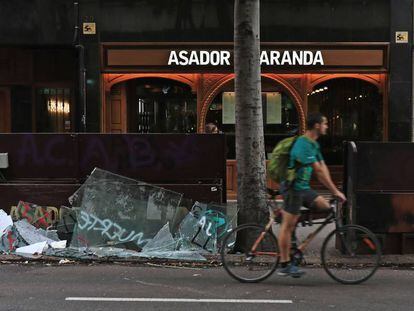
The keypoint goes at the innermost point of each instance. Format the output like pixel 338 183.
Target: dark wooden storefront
pixel 46 169
pixel 37 90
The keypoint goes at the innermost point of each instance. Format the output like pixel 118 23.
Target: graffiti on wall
pixel 39 216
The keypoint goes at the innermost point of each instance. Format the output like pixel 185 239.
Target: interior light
pixel 165 89
pixel 60 107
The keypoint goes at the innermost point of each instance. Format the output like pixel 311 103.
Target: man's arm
pixel 323 175
pixel 325 169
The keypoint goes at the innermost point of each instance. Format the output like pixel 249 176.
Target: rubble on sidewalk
pixel 31 234
pixel 112 216
pixel 5 221
pixel 32 249
pixel 38 216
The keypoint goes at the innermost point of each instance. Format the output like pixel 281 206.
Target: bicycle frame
pixel 304 244
pixel 346 239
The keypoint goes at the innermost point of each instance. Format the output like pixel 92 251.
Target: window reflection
pixel 354 109
pixel 53 107
pixel 161 106
pixel 280 117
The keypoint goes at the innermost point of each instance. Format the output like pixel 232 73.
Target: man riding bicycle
pixel 306 157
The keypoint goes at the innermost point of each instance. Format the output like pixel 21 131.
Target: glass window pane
pixel 282 115
pixel 21 109
pixel 354 109
pixel 273 108
pixel 53 111
pixel 229 108
pixel 159 105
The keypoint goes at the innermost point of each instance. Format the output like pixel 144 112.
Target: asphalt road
pixel 41 288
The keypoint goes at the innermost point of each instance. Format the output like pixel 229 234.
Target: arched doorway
pixel 280 115
pixel 154 105
pixel 354 109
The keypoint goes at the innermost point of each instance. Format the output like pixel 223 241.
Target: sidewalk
pixel 311 255
pixel 395 261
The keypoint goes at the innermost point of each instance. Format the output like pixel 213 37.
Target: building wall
pixel 281 20
pixel 36 22
pixel 44 23
pixel 400 89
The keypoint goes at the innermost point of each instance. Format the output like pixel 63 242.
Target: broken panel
pixel 113 210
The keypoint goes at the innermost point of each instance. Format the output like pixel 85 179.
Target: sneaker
pixel 291 270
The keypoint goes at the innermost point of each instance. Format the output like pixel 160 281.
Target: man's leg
pixel 285 235
pixel 321 203
pixel 290 215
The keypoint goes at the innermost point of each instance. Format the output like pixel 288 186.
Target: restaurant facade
pixel 161 66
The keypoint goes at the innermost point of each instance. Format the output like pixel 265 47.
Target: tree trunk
pixel 250 154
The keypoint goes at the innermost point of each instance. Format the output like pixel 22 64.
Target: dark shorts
pixel 295 199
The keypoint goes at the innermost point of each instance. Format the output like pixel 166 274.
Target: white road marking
pixel 266 301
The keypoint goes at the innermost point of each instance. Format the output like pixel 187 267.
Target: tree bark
pixel 250 153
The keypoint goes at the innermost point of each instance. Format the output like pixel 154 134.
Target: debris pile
pixel 115 216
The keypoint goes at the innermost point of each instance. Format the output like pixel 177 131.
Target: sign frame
pixel 132 57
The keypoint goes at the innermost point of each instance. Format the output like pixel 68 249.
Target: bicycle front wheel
pixel 249 253
pixel 351 254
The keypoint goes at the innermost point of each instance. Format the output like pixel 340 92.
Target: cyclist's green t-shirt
pixel 304 153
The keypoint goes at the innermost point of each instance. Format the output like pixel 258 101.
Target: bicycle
pixel 350 254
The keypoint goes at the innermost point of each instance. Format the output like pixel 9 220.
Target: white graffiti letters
pixel 110 229
pixel 206 226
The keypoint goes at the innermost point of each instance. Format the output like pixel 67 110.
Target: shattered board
pixel 206 225
pixel 10 240
pixel 163 245
pixel 113 210
pixel 38 216
pixel 31 235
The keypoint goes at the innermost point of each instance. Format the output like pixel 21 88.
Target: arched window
pixel 280 116
pixel 157 105
pixel 354 109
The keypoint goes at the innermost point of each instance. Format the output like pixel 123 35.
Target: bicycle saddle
pixel 272 192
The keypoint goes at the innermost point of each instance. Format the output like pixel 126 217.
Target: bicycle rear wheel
pixel 351 254
pixel 239 259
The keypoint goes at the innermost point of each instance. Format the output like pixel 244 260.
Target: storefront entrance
pixel 157 105
pixel 350 88
pixel 355 111
pixel 37 92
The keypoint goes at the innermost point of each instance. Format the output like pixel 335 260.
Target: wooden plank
pixel 5 110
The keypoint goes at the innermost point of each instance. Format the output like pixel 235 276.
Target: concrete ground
pixel 117 287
